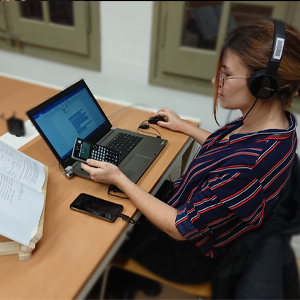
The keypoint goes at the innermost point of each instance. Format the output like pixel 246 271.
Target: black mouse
pixel 156 119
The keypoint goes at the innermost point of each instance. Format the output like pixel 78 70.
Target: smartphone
pixel 83 150
pixel 97 207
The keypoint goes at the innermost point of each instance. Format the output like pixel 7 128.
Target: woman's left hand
pixel 102 171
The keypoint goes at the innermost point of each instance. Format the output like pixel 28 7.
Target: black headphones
pixel 265 83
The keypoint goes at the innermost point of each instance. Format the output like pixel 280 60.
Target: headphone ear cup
pixel 262 85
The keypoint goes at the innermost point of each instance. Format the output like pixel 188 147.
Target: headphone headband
pixel 265 83
pixel 278 45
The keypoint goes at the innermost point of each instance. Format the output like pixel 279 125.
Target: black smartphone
pixel 97 207
pixel 83 150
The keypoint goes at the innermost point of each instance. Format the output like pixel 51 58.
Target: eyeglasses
pixel 223 76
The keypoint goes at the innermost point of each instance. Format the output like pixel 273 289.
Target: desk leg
pixel 104 282
pixel 103 265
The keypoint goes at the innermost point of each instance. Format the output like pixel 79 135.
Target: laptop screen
pixel 70 114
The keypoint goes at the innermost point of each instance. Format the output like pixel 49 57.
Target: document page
pixel 22 207
pixel 21 167
pixel 21 202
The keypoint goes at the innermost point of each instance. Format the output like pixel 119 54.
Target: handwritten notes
pixel 21 202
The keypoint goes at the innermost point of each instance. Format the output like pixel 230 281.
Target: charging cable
pixel 128 219
pixel 68 173
pixel 115 189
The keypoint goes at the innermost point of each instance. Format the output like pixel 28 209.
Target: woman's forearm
pixel 198 134
pixel 159 213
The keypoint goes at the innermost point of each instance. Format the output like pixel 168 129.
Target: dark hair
pixel 253 44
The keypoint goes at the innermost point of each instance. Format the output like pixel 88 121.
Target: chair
pixel 261 264
pixel 202 290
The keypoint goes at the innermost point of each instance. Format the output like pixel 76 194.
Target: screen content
pixel 85 151
pixel 75 115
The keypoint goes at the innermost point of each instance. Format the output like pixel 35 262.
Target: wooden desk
pixel 75 247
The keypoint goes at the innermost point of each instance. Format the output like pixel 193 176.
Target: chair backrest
pixel 270 272
pixel 269 245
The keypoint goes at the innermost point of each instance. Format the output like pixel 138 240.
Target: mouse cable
pixel 128 219
pixel 145 125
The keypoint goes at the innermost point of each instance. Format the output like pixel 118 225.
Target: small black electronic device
pixel 84 150
pixel 97 207
pixel 156 119
pixel 15 126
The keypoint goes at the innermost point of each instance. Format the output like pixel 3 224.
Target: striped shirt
pixel 232 184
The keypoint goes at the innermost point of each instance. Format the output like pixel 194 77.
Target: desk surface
pixel 73 244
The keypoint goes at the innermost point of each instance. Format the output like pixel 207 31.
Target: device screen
pixel 81 150
pixel 76 114
pixel 97 207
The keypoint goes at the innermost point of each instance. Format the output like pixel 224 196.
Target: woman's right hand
pixel 172 120
pixel 175 123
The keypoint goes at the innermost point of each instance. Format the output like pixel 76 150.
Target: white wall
pixel 125 57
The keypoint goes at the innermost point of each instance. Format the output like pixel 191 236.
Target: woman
pixel 235 179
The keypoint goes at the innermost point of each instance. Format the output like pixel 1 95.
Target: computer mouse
pixel 156 119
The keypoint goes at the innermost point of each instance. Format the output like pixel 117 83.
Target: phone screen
pixel 81 150
pixel 97 207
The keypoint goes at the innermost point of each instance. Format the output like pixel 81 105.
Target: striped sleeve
pixel 221 210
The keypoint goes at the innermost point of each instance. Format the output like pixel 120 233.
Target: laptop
pixel 74 112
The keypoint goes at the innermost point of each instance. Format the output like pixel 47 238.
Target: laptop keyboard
pixel 124 144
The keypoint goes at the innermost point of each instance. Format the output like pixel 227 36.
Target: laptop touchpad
pixel 137 162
